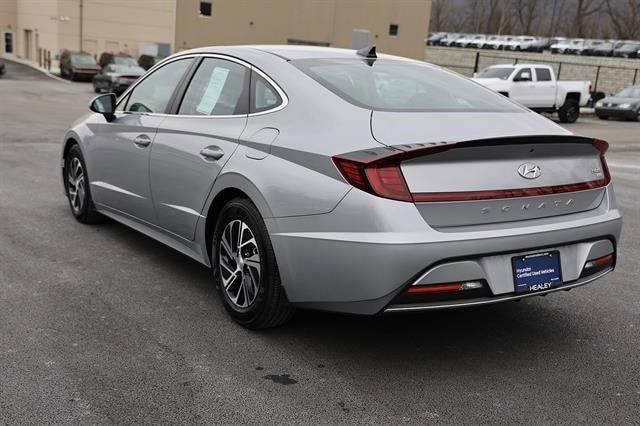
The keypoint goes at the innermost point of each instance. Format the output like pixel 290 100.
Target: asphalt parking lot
pixel 101 324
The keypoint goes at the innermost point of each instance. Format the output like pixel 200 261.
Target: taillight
pixel 377 171
pixel 603 146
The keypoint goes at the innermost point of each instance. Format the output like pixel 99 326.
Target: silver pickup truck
pixel 535 86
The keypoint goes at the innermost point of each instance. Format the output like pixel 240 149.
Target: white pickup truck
pixel 535 86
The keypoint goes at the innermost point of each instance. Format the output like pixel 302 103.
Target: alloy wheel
pixel 239 263
pixel 76 185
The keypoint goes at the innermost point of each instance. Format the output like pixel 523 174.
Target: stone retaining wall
pixel 615 73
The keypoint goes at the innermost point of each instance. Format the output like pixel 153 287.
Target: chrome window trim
pixel 283 95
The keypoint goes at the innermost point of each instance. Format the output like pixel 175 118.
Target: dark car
pixel 624 104
pixel 606 49
pixel 627 50
pixel 117 77
pixel 78 65
pixel 3 69
pixel 434 39
pixel 148 61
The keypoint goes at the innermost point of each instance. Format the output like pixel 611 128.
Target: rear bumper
pixel 466 303
pixel 360 257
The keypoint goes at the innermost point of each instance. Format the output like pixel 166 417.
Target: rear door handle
pixel 212 153
pixel 142 141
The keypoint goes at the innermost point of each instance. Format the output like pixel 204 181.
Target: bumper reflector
pixel 599 262
pixel 445 288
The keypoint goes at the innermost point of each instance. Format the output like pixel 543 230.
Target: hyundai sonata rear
pixel 343 181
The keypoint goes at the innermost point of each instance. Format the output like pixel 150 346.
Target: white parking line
pixel 623 166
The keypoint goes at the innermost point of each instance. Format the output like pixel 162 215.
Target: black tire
pixel 603 117
pixel 570 111
pixel 96 89
pixel 83 210
pixel 269 306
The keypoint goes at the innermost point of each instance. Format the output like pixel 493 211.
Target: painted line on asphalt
pixel 623 166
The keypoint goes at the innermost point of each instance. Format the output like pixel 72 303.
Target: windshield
pixel 629 92
pixel 631 47
pixel 125 60
pixel 83 59
pixel 501 73
pixel 389 85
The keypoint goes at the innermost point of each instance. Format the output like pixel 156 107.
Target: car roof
pixel 517 65
pixel 287 52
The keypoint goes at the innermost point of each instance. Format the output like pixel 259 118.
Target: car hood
pixel 395 128
pixel 490 82
pixel 124 70
pixel 619 100
pixel 86 67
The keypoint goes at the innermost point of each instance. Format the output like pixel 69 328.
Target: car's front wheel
pixel 77 188
pixel 245 268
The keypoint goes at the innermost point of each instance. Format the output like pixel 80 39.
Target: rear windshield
pixel 390 85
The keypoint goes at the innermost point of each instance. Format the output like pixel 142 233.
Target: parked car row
pixel 111 73
pixel 560 45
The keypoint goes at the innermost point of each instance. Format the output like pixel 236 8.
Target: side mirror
pixel 525 76
pixel 105 105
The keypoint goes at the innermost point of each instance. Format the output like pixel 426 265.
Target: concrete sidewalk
pixel 53 73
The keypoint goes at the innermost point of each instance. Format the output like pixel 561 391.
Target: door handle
pixel 212 153
pixel 142 141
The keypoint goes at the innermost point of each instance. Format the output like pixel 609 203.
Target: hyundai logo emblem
pixel 529 171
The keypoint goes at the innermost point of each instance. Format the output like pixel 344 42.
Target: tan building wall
pixel 46 27
pixel 8 24
pixel 329 22
pixel 41 29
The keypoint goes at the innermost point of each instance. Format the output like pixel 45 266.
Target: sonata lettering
pixel 528 206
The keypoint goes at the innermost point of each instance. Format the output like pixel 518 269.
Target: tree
pixel 584 9
pixel 440 15
pixel 625 18
pixel 526 13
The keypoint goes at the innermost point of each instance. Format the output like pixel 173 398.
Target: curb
pixel 35 67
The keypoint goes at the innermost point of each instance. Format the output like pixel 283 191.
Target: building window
pixel 393 30
pixel 8 43
pixel 205 8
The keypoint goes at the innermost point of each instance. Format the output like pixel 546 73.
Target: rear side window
pixel 391 85
pixel 263 95
pixel 219 87
pixel 154 92
pixel 543 74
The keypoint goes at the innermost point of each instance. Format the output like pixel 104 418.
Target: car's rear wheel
pixel 77 187
pixel 570 111
pixel 603 117
pixel 245 268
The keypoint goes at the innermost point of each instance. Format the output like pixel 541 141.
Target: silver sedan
pixel 346 181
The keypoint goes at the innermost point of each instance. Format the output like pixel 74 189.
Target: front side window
pixel 154 92
pixel 521 75
pixel 263 95
pixel 219 87
pixel 390 85
pixel 543 74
